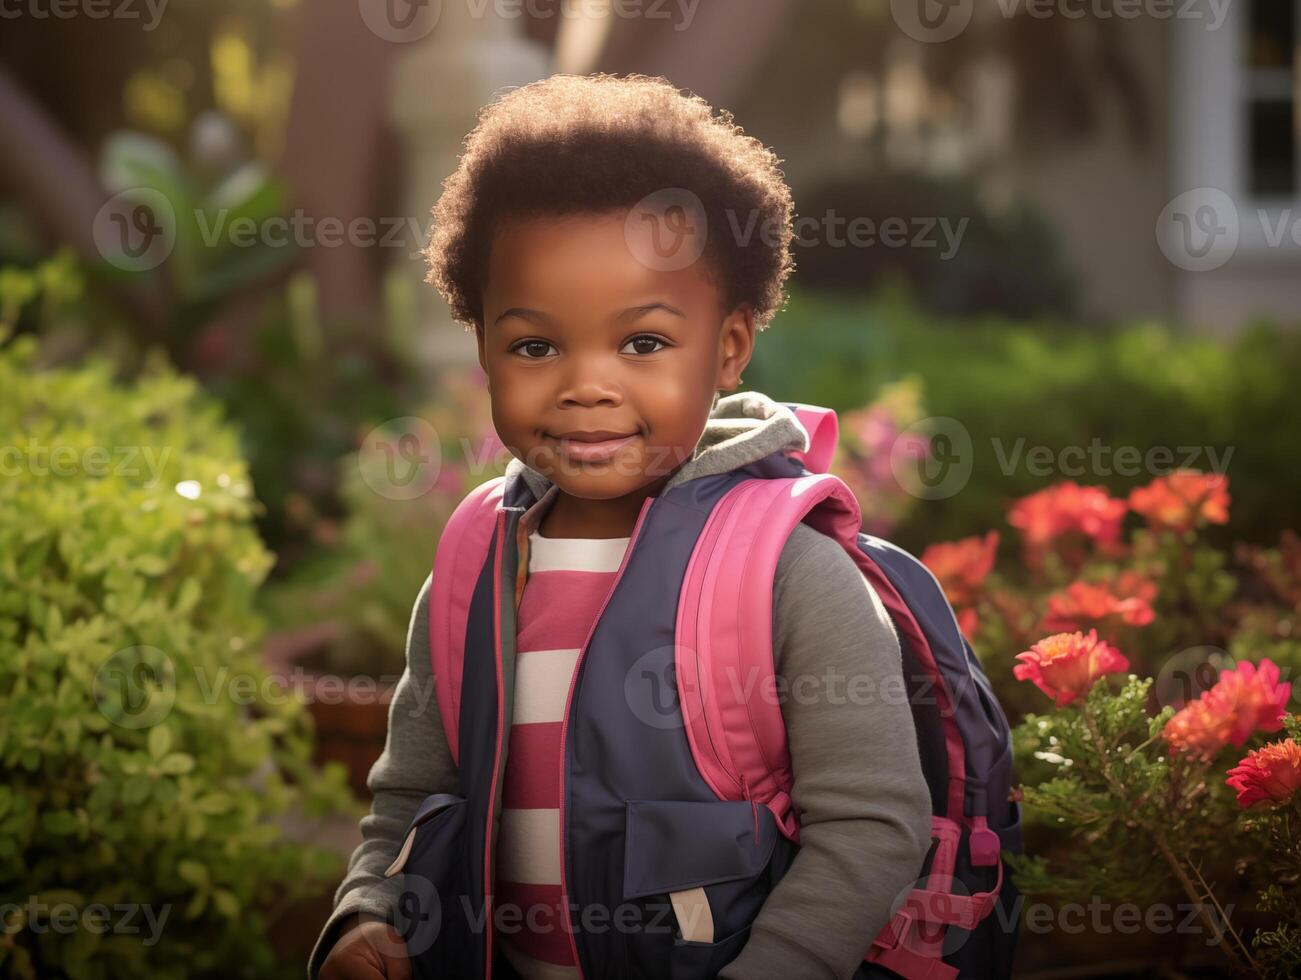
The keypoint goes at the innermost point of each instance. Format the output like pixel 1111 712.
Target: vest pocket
pixel 702 859
pixel 433 875
pixel 696 961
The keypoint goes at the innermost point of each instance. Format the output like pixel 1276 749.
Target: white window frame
pixel 1210 89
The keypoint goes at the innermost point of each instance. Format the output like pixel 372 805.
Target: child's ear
pixel 735 347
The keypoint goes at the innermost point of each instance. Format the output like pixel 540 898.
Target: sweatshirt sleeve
pixel 862 800
pixel 415 763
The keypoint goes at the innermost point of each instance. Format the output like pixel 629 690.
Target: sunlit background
pixel 1083 233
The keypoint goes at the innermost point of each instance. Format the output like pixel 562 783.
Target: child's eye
pixel 538 349
pixel 645 338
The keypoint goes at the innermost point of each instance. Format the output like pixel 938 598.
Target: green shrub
pixel 1053 384
pixel 145 764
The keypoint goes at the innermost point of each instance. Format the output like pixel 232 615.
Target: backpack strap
pixel 823 429
pixel 726 689
pixel 724 654
pixel 458 562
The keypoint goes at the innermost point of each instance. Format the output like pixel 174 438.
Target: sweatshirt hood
pixel 743 428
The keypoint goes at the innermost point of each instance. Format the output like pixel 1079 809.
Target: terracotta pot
pixel 350 713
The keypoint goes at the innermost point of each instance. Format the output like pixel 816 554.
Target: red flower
pixel 962 566
pixel 1064 509
pixel 1244 700
pixel 1270 774
pixel 1088 604
pixel 1183 500
pixel 1066 665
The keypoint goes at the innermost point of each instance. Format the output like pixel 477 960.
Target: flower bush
pixel 1166 766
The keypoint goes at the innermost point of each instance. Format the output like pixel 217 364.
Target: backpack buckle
pixel 983 845
pixel 894 931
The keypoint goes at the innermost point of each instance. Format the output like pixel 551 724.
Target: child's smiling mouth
pixel 595 445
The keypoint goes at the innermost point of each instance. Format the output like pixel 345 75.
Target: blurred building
pixel 1158 141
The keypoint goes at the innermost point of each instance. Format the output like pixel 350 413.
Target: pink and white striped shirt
pixel 568 580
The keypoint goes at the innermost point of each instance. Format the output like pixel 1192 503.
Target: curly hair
pixel 594 144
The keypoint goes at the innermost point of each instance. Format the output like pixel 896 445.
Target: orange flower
pixel 1270 774
pixel 1066 665
pixel 1244 700
pixel 962 566
pixel 1085 604
pixel 1062 509
pixel 1183 500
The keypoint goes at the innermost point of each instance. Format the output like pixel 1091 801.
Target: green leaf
pixel 226 903
pixel 176 763
pixel 193 872
pixel 160 740
pixel 136 790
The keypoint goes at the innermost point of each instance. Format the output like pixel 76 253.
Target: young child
pixel 594 238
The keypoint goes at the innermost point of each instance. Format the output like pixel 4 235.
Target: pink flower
pixel 962 566
pixel 1095 604
pixel 1066 509
pixel 1066 665
pixel 1183 500
pixel 1244 700
pixel 1270 774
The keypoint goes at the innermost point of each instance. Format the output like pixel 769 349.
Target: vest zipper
pixel 564 726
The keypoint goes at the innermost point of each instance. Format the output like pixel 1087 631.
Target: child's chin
pixel 601 486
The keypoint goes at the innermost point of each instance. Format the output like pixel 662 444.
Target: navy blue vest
pixel 638 821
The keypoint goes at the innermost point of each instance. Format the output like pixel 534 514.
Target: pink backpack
pixel 724 632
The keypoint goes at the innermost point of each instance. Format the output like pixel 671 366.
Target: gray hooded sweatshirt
pixel 862 801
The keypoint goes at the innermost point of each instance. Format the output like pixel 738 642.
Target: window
pixel 1271 109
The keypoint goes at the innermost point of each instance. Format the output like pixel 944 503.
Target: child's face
pixel 579 336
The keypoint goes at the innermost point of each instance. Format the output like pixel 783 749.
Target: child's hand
pixel 368 949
